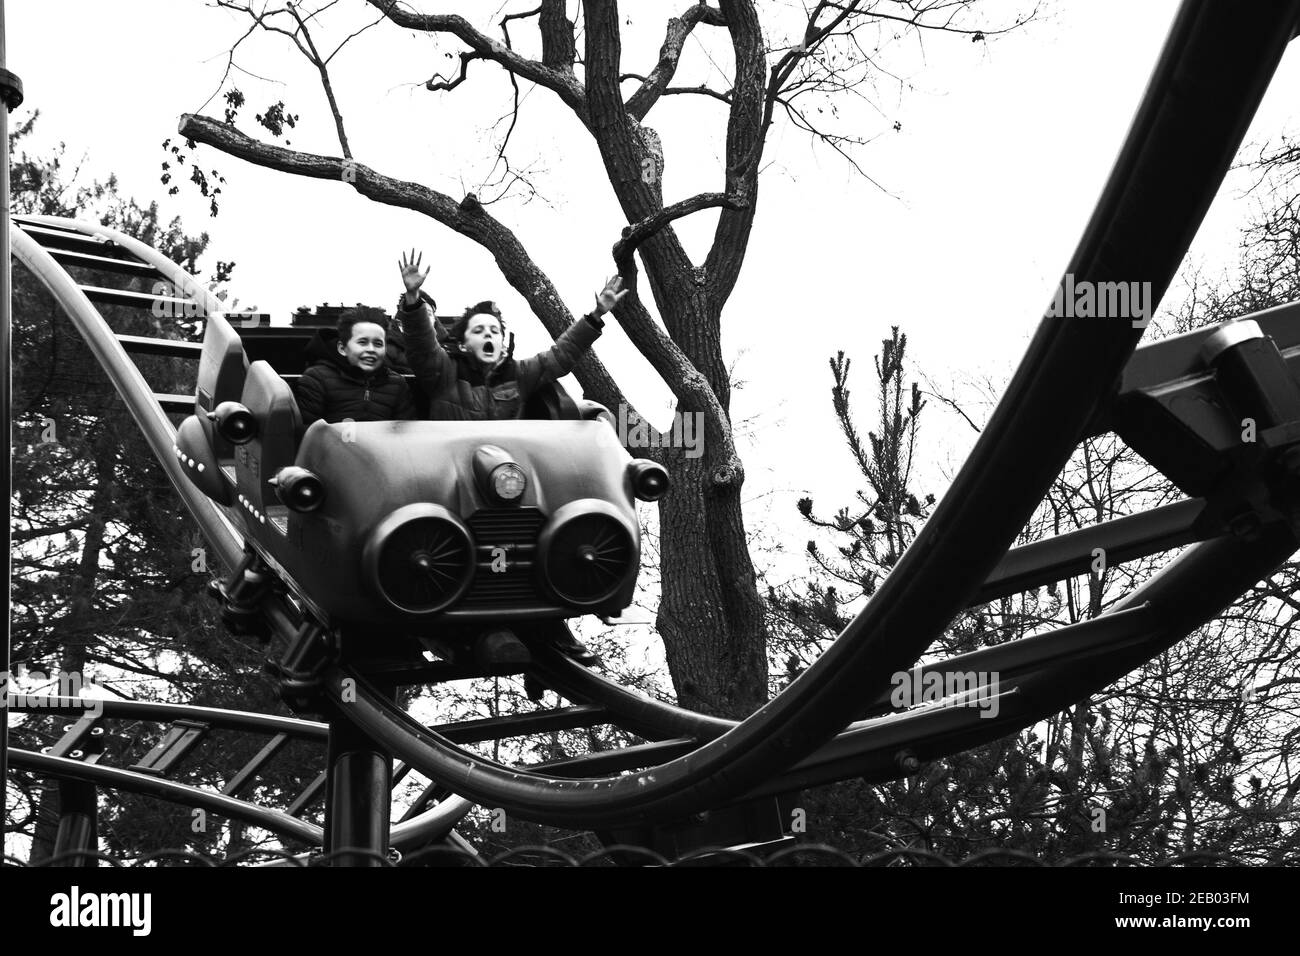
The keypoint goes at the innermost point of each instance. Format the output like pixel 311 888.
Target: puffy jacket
pixel 334 390
pixel 456 383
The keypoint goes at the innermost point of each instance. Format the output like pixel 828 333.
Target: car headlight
pixel 500 477
pixel 508 481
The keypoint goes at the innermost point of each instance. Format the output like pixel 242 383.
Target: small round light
pixel 234 422
pixel 299 489
pixel 649 479
pixel 508 481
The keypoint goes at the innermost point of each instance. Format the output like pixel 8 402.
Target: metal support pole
pixel 358 796
pixel 78 822
pixel 11 92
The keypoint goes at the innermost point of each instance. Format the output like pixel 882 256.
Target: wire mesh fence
pixel 539 855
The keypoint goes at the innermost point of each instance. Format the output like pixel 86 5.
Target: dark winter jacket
pixel 333 390
pixel 456 383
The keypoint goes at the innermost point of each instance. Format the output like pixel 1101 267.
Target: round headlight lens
pixel 508 482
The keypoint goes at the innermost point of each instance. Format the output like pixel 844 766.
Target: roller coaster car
pixel 410 523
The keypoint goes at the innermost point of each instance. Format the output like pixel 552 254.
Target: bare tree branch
pixel 745 134
pixel 681 90
pixel 562 82
pixel 466 217
pixel 633 162
pixel 679 28
pixel 920 9
pixel 309 51
pixel 691 389
pixel 819 65
pixel 437 83
pixel 639 232
pixel 352 36
pixel 48 530
pixel 323 69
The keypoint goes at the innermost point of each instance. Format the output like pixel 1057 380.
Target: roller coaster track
pixel 77 755
pixel 1210 78
pixel 1207 84
pixel 49 247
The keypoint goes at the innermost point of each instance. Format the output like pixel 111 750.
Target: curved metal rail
pixel 122 372
pixel 421 829
pixel 213 522
pixel 1206 87
pixel 1035 680
pixel 1209 80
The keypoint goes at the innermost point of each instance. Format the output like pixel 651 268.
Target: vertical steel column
pixel 78 821
pixel 11 92
pixel 358 794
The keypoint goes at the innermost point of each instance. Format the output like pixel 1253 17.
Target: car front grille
pixel 514 531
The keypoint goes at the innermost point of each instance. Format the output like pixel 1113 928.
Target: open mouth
pixel 489 348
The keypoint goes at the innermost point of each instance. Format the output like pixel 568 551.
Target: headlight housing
pixel 649 479
pixel 234 423
pixel 499 476
pixel 299 489
pixel 508 482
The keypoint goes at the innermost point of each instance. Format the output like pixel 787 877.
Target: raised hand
pixel 608 298
pixel 412 277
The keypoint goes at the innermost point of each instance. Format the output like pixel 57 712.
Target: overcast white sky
pixel 1003 148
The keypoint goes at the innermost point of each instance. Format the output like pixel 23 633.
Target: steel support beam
pixel 358 795
pixel 78 822
pixel 1123 539
pixel 11 96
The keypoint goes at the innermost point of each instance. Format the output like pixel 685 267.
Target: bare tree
pixel 711 616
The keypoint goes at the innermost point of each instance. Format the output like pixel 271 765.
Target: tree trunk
pixel 710 614
pixel 82 596
pixel 711 618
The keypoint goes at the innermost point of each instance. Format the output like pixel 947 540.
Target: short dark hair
pixel 362 313
pixel 457 331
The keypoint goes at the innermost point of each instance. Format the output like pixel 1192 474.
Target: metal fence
pixel 804 854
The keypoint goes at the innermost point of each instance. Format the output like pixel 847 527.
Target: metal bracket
pixel 11 90
pixel 181 737
pixel 1218 412
pixel 302 666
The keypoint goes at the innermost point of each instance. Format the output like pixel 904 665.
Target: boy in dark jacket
pixel 469 373
pixel 352 380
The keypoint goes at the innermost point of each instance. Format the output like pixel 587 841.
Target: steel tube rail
pixel 164 713
pixel 132 387
pixel 1205 88
pixel 170 790
pixel 420 829
pixel 1058 649
pixel 1188 593
pixel 1062 647
pixel 1210 78
pixel 1122 539
pixel 656 720
pixel 1036 679
pixel 432 824
pixel 208 304
pixel 214 525
pixel 632 711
